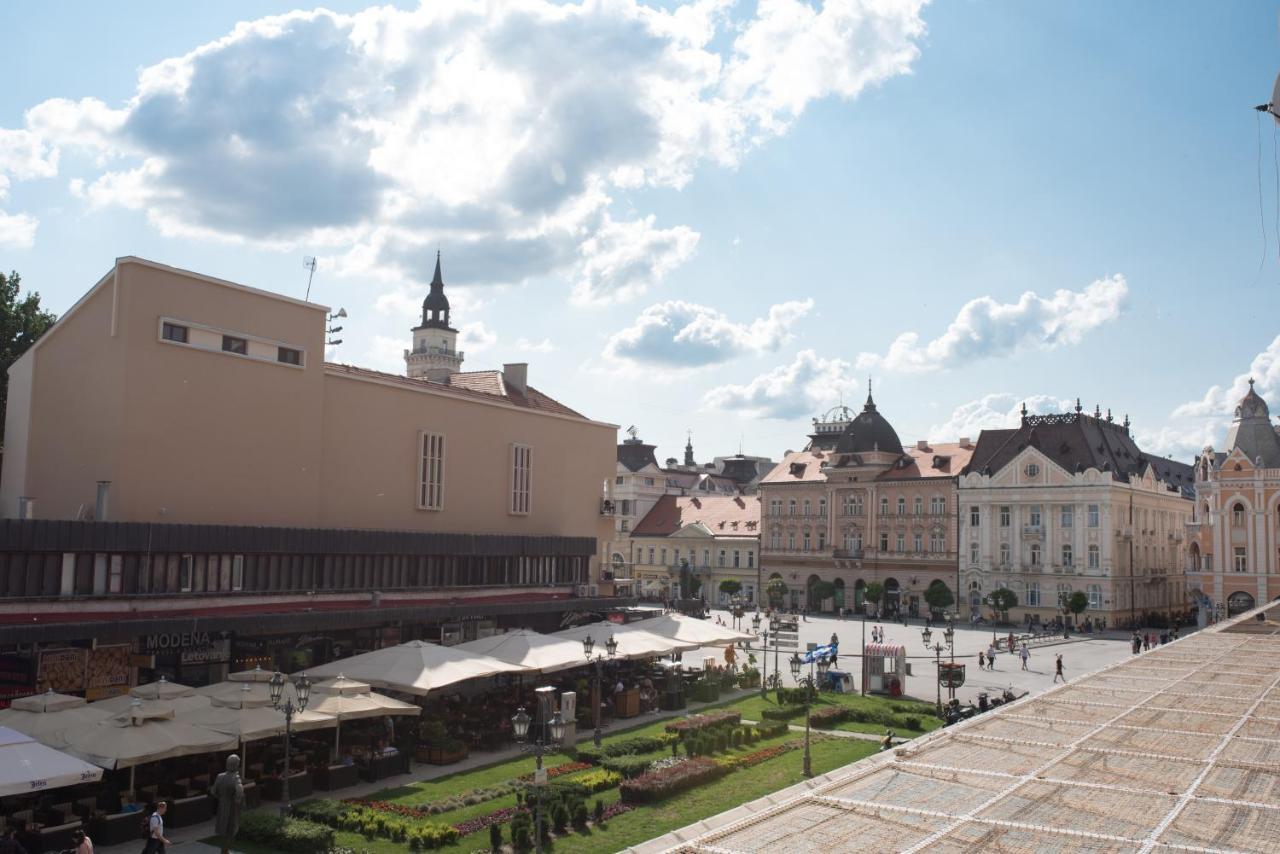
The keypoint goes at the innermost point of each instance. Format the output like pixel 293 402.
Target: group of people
pixel 1146 640
pixel 877 634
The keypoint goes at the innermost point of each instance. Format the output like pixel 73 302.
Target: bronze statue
pixel 228 791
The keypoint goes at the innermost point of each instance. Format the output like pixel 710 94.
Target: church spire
pixel 688 451
pixel 435 308
pixel 870 405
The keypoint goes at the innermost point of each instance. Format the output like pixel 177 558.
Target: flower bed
pixel 557 771
pixel 371 819
pixel 597 780
pixel 627 766
pixel 627 747
pixel 697 723
pixel 501 816
pixel 748 760
pixel 656 785
pixel 286 834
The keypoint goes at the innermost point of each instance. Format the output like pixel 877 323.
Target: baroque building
pixel 1234 552
pixel 1069 502
pixel 856 507
pixel 715 538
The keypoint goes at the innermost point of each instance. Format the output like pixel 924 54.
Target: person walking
pixel 982 660
pixel 991 657
pixel 1025 654
pixel 156 840
pixel 84 845
pixel 1057 671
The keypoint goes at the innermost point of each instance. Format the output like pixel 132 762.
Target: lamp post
pixel 282 703
pixel 948 642
pixel 611 646
pixel 539 746
pixel 764 652
pixel 777 673
pixel 811 687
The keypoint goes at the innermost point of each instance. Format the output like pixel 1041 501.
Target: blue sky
pixel 718 217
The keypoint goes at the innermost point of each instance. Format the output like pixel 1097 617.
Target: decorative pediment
pixel 693 529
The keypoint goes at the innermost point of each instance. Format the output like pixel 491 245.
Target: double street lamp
pixel 811 689
pixel 546 740
pixel 946 643
pixel 283 703
pixel 611 645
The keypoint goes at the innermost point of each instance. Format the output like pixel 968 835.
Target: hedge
pixel 286 834
pixel 697 723
pixel 627 747
pixel 827 716
pixel 782 713
pixel 627 766
pixel 664 782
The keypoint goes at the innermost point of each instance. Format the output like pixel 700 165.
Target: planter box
pixel 752 681
pixel 300 786
pixel 441 756
pixel 333 777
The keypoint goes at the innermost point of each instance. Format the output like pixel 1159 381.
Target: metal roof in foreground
pixel 1177 749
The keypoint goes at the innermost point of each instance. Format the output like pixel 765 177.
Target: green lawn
pixel 649 820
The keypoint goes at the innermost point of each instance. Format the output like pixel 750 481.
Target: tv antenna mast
pixel 310 263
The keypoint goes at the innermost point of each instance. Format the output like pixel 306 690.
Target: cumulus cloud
pixel 995 411
pixel 475 337
pixel 1197 423
pixel 502 132
pixel 985 328
pixel 526 345
pixel 807 384
pixel 17 231
pixel 679 334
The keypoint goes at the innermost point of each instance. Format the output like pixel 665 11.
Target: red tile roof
pixel 475 384
pixel 941 459
pixel 799 467
pixel 723 515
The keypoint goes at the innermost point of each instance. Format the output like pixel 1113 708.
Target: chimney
pixel 516 375
pixel 100 505
pixel 922 444
pixel 964 441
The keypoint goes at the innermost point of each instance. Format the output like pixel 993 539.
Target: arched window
pixel 1237 514
pixel 822 507
pixel 902 506
pixel 791 507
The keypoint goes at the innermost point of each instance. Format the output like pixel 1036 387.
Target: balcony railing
pixel 436 351
pixel 855 554
pixel 1033 530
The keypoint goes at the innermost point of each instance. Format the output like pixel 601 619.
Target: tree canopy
pixel 873 592
pixel 730 586
pixel 1078 602
pixel 1002 599
pixel 939 596
pixel 22 322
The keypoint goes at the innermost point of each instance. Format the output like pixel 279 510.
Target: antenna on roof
pixel 310 263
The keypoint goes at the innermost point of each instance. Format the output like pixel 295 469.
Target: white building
pixel 1067 503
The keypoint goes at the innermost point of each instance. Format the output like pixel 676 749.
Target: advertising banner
pixel 17 678
pixel 108 671
pixel 62 670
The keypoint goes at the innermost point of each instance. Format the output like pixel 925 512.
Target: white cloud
pixel 525 345
pixel 501 132
pixel 475 337
pixel 384 354
pixel 985 328
pixel 17 231
pixel 995 411
pixel 680 334
pixel 804 386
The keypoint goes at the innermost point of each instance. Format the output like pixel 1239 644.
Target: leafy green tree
pixel 777 590
pixel 1077 603
pixel 939 596
pixel 22 322
pixel 730 587
pixel 873 592
pixel 820 592
pixel 1002 599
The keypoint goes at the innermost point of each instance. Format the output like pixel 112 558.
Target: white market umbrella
pixel 416 667
pixel 692 630
pixel 141 735
pixel 237 695
pixel 252 723
pixel 49 701
pixel 257 674
pixel 529 650
pixel 632 643
pixel 346 699
pixel 27 765
pixel 161 689
pixel 49 723
pixel 125 702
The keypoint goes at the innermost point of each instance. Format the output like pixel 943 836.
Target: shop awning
pixel 48 717
pixel 26 765
pixel 416 667
pixel 529 650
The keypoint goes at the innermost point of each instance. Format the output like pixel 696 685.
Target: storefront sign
pixel 189 647
pixel 166 641
pixel 17 678
pixel 108 671
pixel 62 670
pixel 213 652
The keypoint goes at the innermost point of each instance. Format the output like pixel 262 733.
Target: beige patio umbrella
pixel 47 717
pixel 632 643
pixel 257 674
pixel 161 689
pixel 529 650
pixel 348 699
pixel 416 667
pixel 237 694
pixel 690 629
pixel 123 703
pixel 250 716
pixel 144 733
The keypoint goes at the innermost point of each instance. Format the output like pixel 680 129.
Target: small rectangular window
pixel 237 572
pixel 184 573
pixel 115 577
pixel 232 344
pixel 174 332
pixel 289 356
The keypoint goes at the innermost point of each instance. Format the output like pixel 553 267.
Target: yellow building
pixel 714 537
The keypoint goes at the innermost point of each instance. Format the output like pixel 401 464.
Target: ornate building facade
pixel 1234 539
pixel 855 507
pixel 715 537
pixel 1067 503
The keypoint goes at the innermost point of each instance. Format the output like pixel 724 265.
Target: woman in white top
pixel 156 840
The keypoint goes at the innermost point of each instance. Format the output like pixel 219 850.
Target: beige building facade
pixel 1067 503
pixel 715 538
pixel 856 507
pixel 1233 562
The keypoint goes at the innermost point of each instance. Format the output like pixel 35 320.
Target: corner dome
pixel 1252 405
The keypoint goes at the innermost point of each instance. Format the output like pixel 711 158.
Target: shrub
pixel 598 813
pixel 559 819
pixel 735 740
pixel 912 722
pixel 722 741
pixel 522 832
pixel 825 717
pixel 706 691
pixel 782 713
pixel 605 778
pixel 495 838
pixel 286 834
pixel 665 782
pixel 580 817
pixel 792 696
pixel 747 760
pixel 697 723
pixel 771 729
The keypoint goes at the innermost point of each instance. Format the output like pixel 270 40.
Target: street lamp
pixel 946 643
pixel 542 744
pixel 282 703
pixel 811 688
pixel 774 625
pixel 611 646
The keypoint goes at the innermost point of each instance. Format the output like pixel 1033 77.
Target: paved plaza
pixel 1081 654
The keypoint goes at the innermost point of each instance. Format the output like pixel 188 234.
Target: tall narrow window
pixel 115 577
pixel 1094 557
pixel 185 572
pixel 975 517
pixel 1093 515
pixel 237 572
pixel 430 471
pixel 1004 516
pixel 521 478
pixel 1005 552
